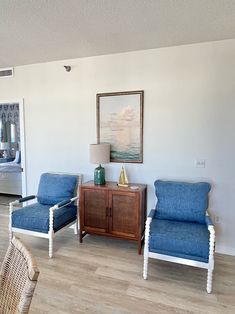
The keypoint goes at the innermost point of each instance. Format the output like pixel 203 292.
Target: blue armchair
pixel 56 208
pixel 179 229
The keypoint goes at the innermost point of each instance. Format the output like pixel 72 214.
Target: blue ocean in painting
pixel 125 143
pixel 132 153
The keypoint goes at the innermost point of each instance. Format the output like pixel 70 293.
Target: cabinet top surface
pixel 132 187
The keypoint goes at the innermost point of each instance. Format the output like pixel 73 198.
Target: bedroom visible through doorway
pixel 12 153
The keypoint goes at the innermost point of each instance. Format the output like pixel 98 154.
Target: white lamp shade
pixel 4 145
pixel 100 153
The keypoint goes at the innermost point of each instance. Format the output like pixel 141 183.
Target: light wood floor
pixel 104 275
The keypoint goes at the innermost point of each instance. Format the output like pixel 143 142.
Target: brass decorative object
pixel 123 181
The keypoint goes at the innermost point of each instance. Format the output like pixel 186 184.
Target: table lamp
pixel 99 154
pixel 5 147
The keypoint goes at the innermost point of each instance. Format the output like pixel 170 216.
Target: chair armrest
pixel 64 203
pixel 22 200
pixel 57 206
pixel 27 198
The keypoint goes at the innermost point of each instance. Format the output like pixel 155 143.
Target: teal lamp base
pixel 99 176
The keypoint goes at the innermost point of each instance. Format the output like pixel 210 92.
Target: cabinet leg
pixel 80 236
pixel 139 247
pixel 140 243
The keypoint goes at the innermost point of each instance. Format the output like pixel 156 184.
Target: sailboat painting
pixel 120 123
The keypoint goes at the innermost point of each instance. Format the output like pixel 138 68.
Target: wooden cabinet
pixel 113 211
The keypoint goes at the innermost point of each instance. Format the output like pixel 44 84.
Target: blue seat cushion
pixel 35 217
pixel 54 188
pixel 180 239
pixel 181 200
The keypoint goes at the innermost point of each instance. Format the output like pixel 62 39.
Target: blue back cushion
pixel 54 188
pixel 182 201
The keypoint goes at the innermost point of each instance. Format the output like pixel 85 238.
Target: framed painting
pixel 120 123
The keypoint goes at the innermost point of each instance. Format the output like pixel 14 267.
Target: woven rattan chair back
pixel 18 279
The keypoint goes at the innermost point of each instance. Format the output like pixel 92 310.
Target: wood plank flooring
pixel 104 275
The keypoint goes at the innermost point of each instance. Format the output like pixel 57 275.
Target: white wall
pixel 189 113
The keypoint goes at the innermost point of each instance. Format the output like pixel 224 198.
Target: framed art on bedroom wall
pixel 120 123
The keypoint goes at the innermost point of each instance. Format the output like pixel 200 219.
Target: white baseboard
pixel 225 250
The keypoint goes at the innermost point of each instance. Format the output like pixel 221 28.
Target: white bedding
pixel 10 183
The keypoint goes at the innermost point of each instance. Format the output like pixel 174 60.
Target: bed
pixel 10 178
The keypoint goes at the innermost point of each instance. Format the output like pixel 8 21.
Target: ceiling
pixel 46 30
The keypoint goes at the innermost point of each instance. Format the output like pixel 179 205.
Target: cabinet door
pixel 124 214
pixel 95 210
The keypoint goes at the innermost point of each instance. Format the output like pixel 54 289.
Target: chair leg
pixel 211 259
pixel 209 280
pixel 51 221
pixel 10 222
pixel 50 246
pixel 146 248
pixel 145 270
pixel 76 227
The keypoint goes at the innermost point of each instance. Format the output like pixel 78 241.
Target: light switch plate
pixel 200 163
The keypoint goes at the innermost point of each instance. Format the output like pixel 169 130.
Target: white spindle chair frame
pixel 209 266
pixel 51 234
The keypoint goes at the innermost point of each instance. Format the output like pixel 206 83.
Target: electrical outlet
pixel 200 163
pixel 217 219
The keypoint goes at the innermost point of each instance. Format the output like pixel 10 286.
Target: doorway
pixel 12 148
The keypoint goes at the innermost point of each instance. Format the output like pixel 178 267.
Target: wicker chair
pixel 18 279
